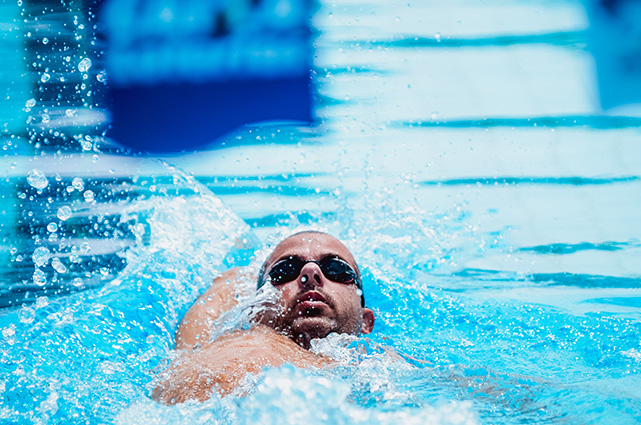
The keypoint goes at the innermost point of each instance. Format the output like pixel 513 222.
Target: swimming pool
pixel 494 213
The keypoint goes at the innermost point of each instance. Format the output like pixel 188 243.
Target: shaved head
pixel 316 300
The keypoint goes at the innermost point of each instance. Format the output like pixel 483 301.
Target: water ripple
pixel 601 122
pixel 569 180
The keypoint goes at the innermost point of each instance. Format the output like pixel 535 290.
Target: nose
pixel 310 274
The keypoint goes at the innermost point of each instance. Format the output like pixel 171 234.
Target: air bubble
pixel 45 77
pixel 52 227
pixel 30 103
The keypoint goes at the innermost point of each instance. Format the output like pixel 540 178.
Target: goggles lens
pixel 333 268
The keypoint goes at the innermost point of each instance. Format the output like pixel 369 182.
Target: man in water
pixel 319 292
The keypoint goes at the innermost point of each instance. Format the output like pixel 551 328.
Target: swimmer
pixel 319 292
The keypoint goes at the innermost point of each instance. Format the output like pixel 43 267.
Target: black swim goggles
pixel 333 268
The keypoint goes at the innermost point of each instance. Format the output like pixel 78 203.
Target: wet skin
pixel 315 306
pixel 312 306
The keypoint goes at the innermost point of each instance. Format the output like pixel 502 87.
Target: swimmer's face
pixel 314 305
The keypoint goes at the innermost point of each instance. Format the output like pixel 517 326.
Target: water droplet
pixel 138 230
pixel 45 77
pixel 52 227
pixel 89 196
pixel 37 179
pixel 41 256
pixel 39 277
pixel 86 145
pixel 58 266
pixel 30 103
pixel 84 65
pixel 64 213
pixel 9 331
pixel 27 315
pixel 85 249
pixel 78 184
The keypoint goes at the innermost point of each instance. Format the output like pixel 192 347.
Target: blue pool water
pixel 477 351
pixel 493 209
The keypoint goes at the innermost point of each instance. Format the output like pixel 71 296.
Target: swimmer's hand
pixel 221 365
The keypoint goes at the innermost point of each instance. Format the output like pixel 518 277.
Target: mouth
pixel 311 304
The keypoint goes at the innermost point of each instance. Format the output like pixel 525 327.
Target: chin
pixel 312 327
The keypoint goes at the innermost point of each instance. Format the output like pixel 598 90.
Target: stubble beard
pixel 304 329
pixel 304 326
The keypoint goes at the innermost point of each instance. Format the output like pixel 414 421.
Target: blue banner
pixel 184 73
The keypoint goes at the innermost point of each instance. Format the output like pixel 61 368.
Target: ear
pixel 368 321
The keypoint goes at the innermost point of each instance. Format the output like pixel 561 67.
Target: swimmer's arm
pixel 220 366
pixel 195 327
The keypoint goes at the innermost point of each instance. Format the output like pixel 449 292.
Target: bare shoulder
pixel 195 327
pixel 220 366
